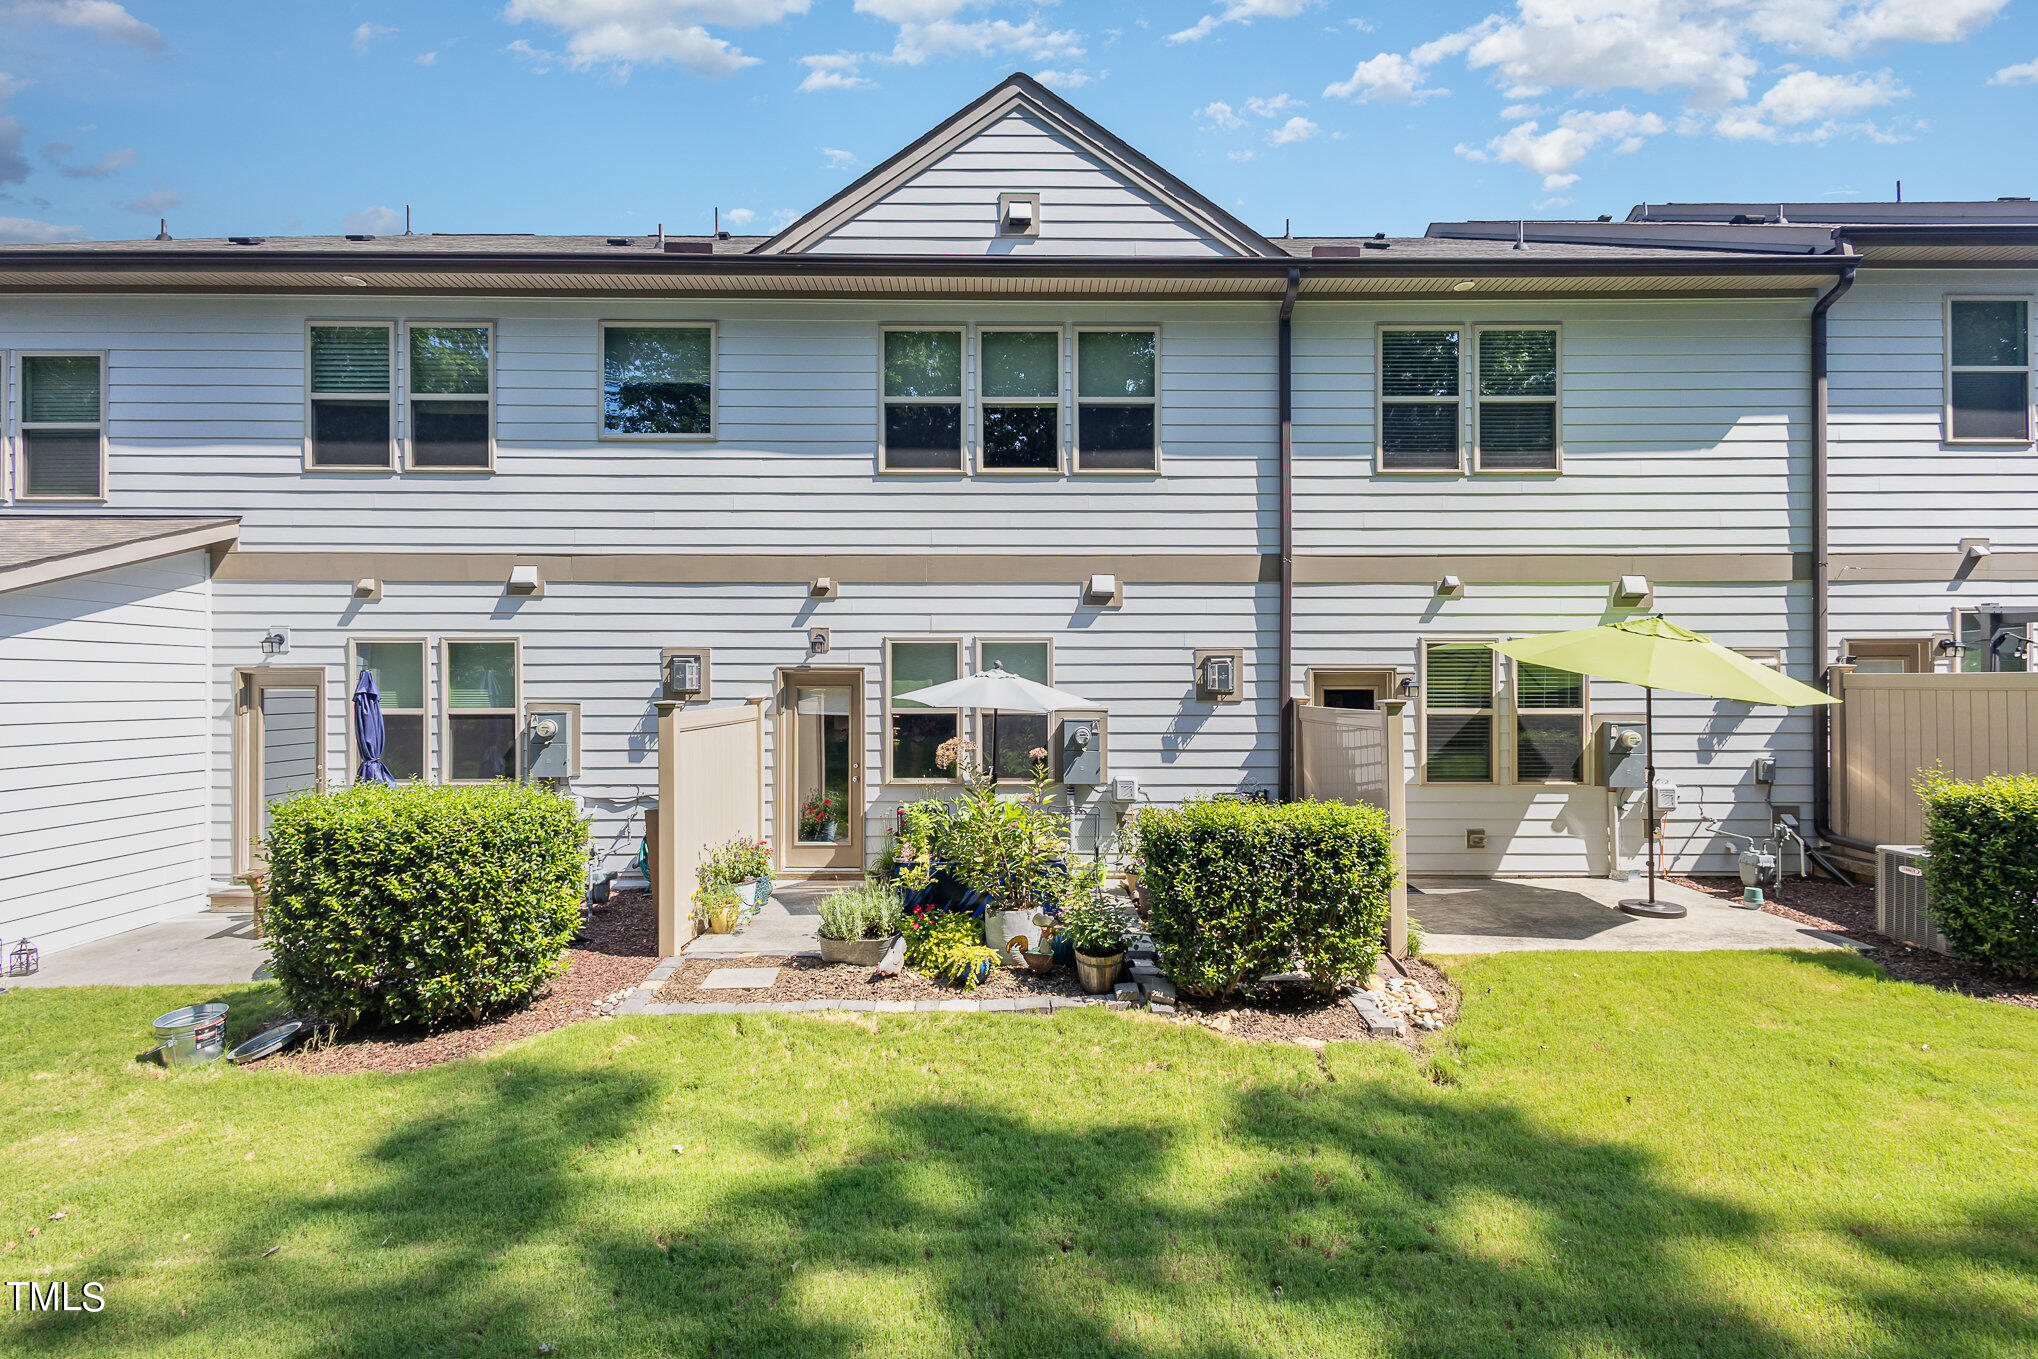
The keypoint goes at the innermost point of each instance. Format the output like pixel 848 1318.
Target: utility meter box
pixel 1622 761
pixel 552 741
pixel 1082 749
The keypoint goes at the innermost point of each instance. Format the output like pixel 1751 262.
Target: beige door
pixel 279 749
pixel 820 771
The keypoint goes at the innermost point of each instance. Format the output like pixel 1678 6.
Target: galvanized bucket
pixel 193 1035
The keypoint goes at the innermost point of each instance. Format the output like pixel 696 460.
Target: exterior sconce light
pixel 523 580
pixel 1631 591
pixel 1102 590
pixel 1977 549
pixel 684 673
pixel 1450 587
pixel 276 642
pixel 822 587
pixel 1406 686
pixel 368 588
pixel 817 641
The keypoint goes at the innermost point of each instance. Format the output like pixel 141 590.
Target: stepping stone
pixel 740 979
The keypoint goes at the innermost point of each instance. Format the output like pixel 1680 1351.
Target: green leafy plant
pixel 870 911
pixel 1240 890
pixel 732 861
pixel 1095 928
pixel 948 945
pixel 714 897
pixel 1013 850
pixel 1983 869
pixel 421 904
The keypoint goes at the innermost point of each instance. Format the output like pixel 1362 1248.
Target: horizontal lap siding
pixel 105 729
pixel 599 645
pixel 1683 427
pixel 1706 747
pixel 206 415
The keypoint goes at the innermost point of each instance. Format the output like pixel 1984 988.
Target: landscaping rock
pixel 1376 1019
pixel 1160 1008
pixel 1159 990
pixel 1125 991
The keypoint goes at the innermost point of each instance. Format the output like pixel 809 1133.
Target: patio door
pixel 279 749
pixel 820 771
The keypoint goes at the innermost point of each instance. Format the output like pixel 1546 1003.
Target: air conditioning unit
pixel 1903 904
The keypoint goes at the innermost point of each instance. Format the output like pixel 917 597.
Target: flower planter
pixel 860 952
pixel 1098 975
pixel 724 919
pixel 753 893
pixel 1003 928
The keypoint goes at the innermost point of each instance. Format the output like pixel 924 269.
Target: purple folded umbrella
pixel 368 734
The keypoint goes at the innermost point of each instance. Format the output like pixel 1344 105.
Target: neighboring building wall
pixel 104 737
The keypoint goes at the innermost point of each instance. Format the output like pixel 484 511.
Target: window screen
pixel 1419 399
pixel 1988 374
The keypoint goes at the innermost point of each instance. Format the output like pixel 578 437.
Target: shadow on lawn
pixel 1327 1217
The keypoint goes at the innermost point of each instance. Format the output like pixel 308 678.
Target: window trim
pixel 446 709
pixel 393 326
pixel 409 435
pixel 1059 401
pixel 1919 653
pixel 962 725
pixel 23 425
pixel 353 677
pixel 962 402
pixel 2030 305
pixel 602 432
pixel 1490 711
pixel 1381 401
pixel 1555 401
pixel 1077 401
pixel 1583 712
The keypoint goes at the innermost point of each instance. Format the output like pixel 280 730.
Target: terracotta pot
pixel 1040 962
pixel 1098 975
pixel 860 952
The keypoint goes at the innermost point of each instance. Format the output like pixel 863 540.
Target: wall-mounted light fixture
pixel 1631 592
pixel 683 672
pixel 1450 587
pixel 368 588
pixel 524 580
pixel 823 587
pixel 276 642
pixel 817 641
pixel 1976 549
pixel 1103 590
pixel 1406 686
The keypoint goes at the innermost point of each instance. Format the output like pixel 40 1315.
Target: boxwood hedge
pixel 1237 891
pixel 1983 870
pixel 422 904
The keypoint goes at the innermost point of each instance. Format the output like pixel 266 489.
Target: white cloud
pixel 834 71
pixel 1066 80
pixel 1388 78
pixel 1294 130
pixel 1240 155
pixel 376 221
pixel 1222 114
pixel 835 158
pixel 1554 153
pixel 28 231
pixel 104 20
pixel 159 201
pixel 537 58
pixel 739 217
pixel 1238 12
pixel 1274 107
pixel 1030 41
pixel 107 164
pixel 2023 73
pixel 1807 97
pixel 365 36
pixel 618 34
pixel 426 59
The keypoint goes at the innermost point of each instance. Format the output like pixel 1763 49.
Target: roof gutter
pixel 1285 665
pixel 1822 743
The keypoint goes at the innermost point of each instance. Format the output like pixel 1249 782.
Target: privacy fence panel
pixel 1356 755
pixel 710 789
pixel 1889 728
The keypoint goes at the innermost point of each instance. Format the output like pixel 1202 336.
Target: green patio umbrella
pixel 1657 654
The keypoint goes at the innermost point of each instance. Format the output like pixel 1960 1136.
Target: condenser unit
pixel 1903 904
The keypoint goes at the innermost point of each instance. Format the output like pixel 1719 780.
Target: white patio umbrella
pixel 997 690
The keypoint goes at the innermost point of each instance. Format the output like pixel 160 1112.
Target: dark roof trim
pixel 1981 233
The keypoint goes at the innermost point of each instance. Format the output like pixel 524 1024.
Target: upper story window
pixel 1419 398
pixel 658 382
pixel 1988 369
pixel 1517 399
pixel 399 670
pixel 452 397
pixel 1515 390
pixel 1019 410
pixel 923 401
pixel 1116 401
pixel 483 710
pixel 63 427
pixel 352 376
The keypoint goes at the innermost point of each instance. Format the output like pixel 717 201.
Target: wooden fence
pixel 1888 728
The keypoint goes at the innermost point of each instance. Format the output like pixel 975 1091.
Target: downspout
pixel 1285 381
pixel 1822 741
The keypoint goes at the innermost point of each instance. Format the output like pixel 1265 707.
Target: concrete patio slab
pixel 739 979
pixel 205 948
pixel 788 923
pixel 1496 915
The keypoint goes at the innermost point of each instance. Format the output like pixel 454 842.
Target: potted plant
pixel 1038 951
pixel 719 908
pixel 859 924
pixel 1100 937
pixel 742 864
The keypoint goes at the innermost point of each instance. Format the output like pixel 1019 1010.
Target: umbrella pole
pixel 994 750
pixel 1650 906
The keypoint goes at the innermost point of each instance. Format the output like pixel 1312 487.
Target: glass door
pixel 820 772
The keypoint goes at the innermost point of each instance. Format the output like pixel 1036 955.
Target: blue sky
pixel 278 116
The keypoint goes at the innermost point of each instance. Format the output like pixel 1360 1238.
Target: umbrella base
pixel 1654 910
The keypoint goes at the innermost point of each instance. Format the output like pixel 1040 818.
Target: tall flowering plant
pixel 734 861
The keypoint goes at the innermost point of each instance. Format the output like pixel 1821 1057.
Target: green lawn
pixel 1677 1154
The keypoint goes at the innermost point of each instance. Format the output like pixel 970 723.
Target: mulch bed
pixel 617 950
pixel 1850 911
pixel 1271 1012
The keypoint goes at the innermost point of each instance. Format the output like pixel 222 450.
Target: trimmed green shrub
pixel 870 910
pixel 1237 891
pixel 1983 872
pixel 421 904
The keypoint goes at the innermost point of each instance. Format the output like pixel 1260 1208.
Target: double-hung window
pixel 1116 401
pixel 452 397
pixel 1457 712
pixel 1014 736
pixel 916 732
pixel 1420 396
pixel 352 374
pixel 483 709
pixel 399 670
pixel 1019 405
pixel 63 427
pixel 1516 406
pixel 1988 369
pixel 922 401
pixel 658 381
pixel 1549 725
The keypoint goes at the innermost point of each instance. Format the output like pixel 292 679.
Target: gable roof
pixel 1021 92
pixel 36 549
